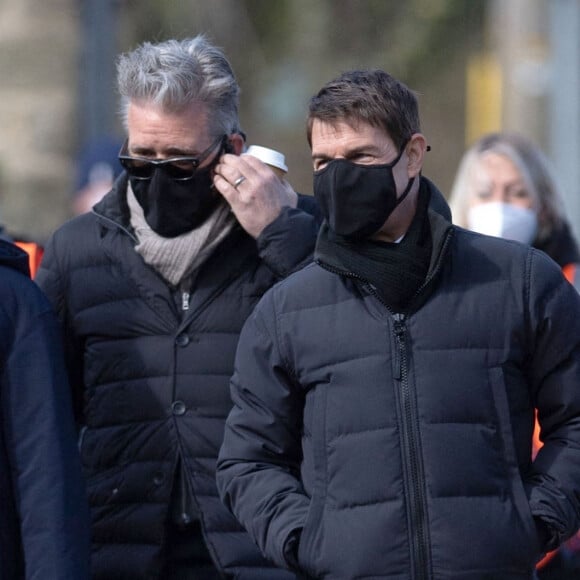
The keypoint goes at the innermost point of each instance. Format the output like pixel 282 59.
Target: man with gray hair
pixel 153 287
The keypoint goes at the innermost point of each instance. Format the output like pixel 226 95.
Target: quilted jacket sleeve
pixel 287 243
pixel 554 317
pixel 259 461
pixel 38 428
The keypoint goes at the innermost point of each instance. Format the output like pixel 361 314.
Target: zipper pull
pixel 399 328
pixel 185 300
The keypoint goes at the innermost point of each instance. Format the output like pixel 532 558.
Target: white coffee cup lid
pixel 269 156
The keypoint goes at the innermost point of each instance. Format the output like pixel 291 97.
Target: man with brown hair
pixel 384 395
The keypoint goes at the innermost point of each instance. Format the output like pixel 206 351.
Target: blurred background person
pixel 97 168
pixel 506 187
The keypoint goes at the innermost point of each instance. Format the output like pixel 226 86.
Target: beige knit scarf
pixel 177 258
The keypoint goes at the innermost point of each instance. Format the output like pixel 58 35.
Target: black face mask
pixel 175 207
pixel 357 200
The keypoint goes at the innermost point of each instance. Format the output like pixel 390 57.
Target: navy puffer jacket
pixel 400 444
pixel 152 383
pixel 44 519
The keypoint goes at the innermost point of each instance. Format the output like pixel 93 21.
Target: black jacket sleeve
pixel 259 462
pixel 553 486
pixel 287 243
pixel 40 440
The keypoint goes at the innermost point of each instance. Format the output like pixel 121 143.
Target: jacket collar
pixel 113 206
pixel 440 223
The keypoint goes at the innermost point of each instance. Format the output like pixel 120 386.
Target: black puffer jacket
pixel 44 519
pixel 156 385
pixel 400 444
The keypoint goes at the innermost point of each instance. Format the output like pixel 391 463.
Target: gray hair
pixel 531 163
pixel 177 73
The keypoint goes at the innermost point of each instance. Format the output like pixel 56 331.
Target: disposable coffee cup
pixel 270 157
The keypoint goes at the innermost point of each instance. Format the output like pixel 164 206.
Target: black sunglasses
pixel 178 168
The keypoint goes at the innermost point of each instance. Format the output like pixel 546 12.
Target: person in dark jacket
pixel 153 287
pixel 384 395
pixel 44 521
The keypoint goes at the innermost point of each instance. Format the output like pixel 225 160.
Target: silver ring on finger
pixel 239 181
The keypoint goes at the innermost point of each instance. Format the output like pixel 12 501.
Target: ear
pixel 236 142
pixel 416 148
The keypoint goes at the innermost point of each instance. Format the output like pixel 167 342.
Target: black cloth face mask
pixel 356 200
pixel 175 207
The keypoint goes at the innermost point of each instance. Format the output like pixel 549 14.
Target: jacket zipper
pixel 185 296
pixel 410 440
pixel 412 458
pixel 413 474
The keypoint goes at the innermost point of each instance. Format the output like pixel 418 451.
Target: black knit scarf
pixel 395 270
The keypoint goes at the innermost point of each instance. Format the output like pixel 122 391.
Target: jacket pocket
pixel 309 537
pixel 315 415
pixel 519 499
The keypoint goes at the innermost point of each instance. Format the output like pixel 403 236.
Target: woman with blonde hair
pixel 505 187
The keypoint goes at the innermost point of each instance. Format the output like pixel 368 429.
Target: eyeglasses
pixel 178 168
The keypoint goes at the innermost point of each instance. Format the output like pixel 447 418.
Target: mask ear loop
pixel 406 192
pixel 411 180
pixel 398 157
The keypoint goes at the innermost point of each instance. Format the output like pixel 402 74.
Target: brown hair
pixel 370 96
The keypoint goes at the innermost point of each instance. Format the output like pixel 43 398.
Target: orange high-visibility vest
pixel 571 273
pixel 535 448
pixel 34 252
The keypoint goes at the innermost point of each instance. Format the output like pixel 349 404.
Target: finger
pixel 227 178
pixel 239 181
pixel 235 173
pixel 256 165
pixel 243 164
pixel 225 188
